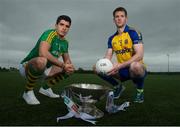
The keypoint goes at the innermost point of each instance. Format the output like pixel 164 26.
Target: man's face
pixel 120 19
pixel 62 28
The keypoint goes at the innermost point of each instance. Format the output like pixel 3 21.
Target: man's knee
pixel 40 63
pixel 137 69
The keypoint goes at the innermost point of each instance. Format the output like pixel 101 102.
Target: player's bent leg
pixel 118 88
pixel 53 70
pixel 34 70
pixel 28 96
pixel 54 75
pixel 138 74
pixel 137 69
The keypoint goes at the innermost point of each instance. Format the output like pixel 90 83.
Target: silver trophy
pixel 86 95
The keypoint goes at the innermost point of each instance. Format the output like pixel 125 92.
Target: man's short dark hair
pixel 120 9
pixel 63 17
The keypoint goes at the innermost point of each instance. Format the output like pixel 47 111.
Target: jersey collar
pixel 126 29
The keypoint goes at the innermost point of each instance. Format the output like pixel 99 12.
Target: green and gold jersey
pixel 58 46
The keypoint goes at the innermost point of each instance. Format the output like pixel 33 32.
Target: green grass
pixel 161 106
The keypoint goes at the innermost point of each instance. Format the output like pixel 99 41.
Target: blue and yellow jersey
pixel 122 44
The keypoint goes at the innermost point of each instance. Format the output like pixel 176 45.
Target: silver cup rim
pixel 89 86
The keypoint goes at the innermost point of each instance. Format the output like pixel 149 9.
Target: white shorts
pixel 23 72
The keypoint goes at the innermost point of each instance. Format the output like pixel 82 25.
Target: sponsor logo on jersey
pixel 126 41
pixel 123 51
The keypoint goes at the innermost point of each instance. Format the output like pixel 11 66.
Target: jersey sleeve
pixel 136 37
pixel 47 36
pixel 110 42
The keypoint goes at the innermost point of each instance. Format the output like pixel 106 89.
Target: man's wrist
pixel 120 65
pixel 62 65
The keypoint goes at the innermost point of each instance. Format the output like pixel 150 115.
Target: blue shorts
pixel 124 74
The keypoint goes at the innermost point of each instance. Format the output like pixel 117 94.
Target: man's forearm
pixel 52 59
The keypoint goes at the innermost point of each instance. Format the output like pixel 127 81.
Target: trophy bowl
pixel 86 95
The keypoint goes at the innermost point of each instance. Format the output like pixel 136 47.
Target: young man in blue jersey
pixel 43 61
pixel 127 44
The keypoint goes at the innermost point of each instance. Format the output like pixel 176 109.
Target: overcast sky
pixel 23 21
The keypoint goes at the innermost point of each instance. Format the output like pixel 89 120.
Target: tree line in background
pixel 81 70
pixel 3 69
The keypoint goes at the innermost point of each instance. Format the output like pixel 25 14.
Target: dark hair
pixel 120 9
pixel 63 17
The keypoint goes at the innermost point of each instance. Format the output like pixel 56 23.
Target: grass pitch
pixel 161 106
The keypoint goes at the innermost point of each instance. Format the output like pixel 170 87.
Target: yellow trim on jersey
pixel 51 36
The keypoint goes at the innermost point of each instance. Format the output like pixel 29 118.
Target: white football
pixel 103 66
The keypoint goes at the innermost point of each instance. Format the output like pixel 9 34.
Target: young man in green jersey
pixel 43 61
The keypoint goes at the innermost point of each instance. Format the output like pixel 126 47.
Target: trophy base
pixel 91 110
